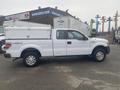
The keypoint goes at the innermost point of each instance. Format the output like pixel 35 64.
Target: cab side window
pixel 75 35
pixel 61 34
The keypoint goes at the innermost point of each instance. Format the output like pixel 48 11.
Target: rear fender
pixel 31 46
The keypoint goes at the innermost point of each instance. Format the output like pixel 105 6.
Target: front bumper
pixel 7 55
pixel 108 49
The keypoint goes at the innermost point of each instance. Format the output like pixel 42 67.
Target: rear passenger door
pixel 60 43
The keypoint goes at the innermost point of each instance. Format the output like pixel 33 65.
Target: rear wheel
pixel 30 59
pixel 99 54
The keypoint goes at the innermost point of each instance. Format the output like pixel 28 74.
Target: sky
pixel 84 9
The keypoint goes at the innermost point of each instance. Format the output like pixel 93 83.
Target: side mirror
pixel 85 38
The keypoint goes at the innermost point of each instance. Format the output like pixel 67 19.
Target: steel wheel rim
pixel 31 60
pixel 100 55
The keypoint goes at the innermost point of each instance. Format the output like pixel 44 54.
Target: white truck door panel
pixel 60 48
pixel 60 43
pixel 76 45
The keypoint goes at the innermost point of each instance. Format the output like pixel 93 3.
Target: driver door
pixel 77 43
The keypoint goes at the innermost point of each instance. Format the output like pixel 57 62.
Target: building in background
pixel 47 16
pixel 40 15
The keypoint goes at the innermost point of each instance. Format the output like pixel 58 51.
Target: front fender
pixel 93 46
pixel 100 44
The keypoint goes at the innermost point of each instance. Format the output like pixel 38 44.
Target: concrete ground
pixel 74 73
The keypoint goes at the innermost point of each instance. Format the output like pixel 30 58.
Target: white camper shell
pixel 24 30
pixel 71 22
pixel 13 23
pixel 27 33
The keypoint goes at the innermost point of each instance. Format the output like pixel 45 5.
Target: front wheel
pixel 99 54
pixel 30 59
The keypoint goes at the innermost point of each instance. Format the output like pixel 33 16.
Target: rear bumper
pixel 107 49
pixel 7 55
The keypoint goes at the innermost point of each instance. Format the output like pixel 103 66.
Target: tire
pixel 99 54
pixel 30 59
pixel 1 44
pixel 1 51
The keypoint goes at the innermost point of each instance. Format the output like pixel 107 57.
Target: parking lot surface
pixel 69 73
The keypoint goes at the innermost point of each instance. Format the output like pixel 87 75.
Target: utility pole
pixel 109 23
pixel 103 22
pixel 91 24
pixel 116 20
pixel 97 22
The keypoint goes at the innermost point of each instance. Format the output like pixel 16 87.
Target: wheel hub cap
pixel 30 60
pixel 100 55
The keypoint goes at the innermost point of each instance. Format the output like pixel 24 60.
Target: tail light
pixel 7 45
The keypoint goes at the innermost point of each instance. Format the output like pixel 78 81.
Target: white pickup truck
pixel 32 43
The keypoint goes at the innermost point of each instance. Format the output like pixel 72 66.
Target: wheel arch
pixel 30 50
pixel 100 46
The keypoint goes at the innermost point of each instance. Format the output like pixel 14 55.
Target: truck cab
pixel 72 42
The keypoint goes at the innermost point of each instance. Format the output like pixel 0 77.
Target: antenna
pixel 56 7
pixel 67 10
pixel 39 7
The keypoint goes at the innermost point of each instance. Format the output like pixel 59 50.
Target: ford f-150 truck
pixel 32 43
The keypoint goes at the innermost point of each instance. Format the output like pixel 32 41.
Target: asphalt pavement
pixel 69 73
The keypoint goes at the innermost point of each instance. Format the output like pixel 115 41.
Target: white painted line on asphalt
pixel 99 84
pixel 75 82
pixel 10 80
pixel 29 71
pixel 68 78
pixel 63 69
pixel 107 73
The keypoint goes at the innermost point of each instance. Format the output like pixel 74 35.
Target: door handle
pixel 69 42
